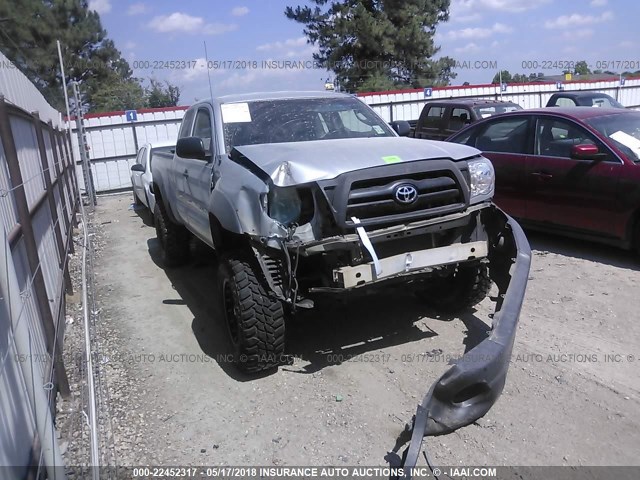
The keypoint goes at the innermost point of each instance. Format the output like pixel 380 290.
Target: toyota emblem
pixel 406 194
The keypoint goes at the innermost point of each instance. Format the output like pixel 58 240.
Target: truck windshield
pixel 299 120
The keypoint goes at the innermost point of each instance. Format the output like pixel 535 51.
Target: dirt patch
pixel 572 395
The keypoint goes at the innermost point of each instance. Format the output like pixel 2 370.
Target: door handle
pixel 185 174
pixel 542 175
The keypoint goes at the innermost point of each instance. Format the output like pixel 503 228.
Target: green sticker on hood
pixel 391 159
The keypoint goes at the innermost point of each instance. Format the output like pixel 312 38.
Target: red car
pixel 574 171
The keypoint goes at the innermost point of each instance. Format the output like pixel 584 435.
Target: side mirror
pixel 191 147
pixel 137 167
pixel 401 127
pixel 587 152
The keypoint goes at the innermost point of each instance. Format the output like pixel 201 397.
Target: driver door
pixel 567 192
pixel 198 176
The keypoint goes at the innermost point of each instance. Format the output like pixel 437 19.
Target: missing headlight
pixel 290 205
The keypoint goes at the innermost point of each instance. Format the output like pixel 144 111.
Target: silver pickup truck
pixel 303 194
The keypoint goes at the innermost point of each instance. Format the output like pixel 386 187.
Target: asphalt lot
pixel 572 395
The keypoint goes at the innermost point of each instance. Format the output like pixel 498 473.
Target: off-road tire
pixel 463 289
pixel 174 239
pixel 255 320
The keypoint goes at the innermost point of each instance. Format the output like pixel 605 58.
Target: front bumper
pixel 469 389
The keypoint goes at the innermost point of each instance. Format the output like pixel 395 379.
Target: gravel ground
pixel 169 397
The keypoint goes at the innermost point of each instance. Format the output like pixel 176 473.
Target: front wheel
pixel 174 238
pixel 464 288
pixel 255 320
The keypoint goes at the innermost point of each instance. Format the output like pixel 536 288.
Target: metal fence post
pixel 24 216
pixel 48 182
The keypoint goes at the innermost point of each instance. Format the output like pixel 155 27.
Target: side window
pixel 507 135
pixel 433 117
pixel 565 102
pixel 187 120
pixel 459 118
pixel 202 128
pixel 554 138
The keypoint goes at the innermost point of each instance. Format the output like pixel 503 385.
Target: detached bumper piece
pixel 469 389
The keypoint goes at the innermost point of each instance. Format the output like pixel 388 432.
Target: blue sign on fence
pixel 559 85
pixel 131 115
pixel 428 91
pixel 503 87
pixel 622 80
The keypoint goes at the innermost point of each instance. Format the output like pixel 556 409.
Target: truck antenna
pixel 206 57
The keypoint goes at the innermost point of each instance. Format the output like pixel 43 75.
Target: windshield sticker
pixel 235 113
pixel 391 159
pixel 378 129
pixel 628 141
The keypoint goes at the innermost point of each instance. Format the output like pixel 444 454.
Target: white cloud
pixel 100 6
pixel 130 45
pixel 137 9
pixel 598 3
pixel 468 48
pixel 579 34
pixel 577 19
pixel 258 77
pixel 185 23
pixel 626 44
pixel 473 17
pixel 239 11
pixel 197 72
pixel 478 32
pixel 289 43
pixel 463 7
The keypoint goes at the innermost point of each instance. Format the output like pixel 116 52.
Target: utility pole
pixel 86 169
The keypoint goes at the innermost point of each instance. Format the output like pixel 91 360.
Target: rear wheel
pixel 467 286
pixel 174 238
pixel 255 320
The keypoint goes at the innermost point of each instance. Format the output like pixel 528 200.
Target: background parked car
pixel 141 172
pixel 442 118
pixel 572 170
pixel 583 99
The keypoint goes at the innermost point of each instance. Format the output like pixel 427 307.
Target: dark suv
pixel 442 118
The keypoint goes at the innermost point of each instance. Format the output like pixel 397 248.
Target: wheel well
pixel 223 239
pixel 633 231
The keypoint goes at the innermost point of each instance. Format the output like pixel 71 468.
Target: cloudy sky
pixel 480 35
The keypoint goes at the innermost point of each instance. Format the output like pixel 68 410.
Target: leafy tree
pixel 377 45
pixel 506 77
pixel 162 96
pixel 120 95
pixel 582 68
pixel 520 78
pixel 28 33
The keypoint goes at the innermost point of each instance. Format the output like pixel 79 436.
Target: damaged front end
pixel 469 389
pixel 347 232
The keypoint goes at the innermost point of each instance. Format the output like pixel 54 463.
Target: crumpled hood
pixel 303 162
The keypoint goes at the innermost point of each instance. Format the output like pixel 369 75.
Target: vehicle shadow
pixel 333 332
pixel 143 213
pixel 582 249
